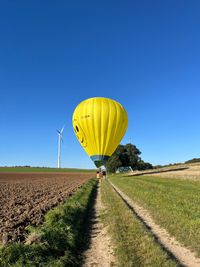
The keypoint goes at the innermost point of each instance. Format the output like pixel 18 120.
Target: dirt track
pixel 100 253
pixel 25 197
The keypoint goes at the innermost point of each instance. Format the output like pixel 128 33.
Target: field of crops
pixel 133 243
pixel 41 225
pixel 172 203
pixel 25 198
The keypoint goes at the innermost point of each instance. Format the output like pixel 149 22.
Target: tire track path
pixel 100 252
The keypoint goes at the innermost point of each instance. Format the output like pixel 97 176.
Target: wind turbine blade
pixel 62 129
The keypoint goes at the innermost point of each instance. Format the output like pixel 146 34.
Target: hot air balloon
pixel 99 124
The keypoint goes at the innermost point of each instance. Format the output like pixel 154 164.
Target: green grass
pixel 62 238
pixel 42 169
pixel 173 203
pixel 134 245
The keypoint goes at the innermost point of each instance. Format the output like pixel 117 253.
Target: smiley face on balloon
pixel 79 133
pixel 99 124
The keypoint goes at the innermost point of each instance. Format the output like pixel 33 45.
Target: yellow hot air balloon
pixel 99 124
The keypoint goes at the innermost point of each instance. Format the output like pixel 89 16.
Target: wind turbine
pixel 60 139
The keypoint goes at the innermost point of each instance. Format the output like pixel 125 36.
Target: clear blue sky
pixel 54 54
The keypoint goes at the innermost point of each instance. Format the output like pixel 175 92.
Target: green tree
pixel 125 156
pixel 132 154
pixel 113 163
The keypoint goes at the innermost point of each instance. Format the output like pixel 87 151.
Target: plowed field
pixel 25 197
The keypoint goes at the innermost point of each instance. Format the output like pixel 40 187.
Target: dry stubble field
pixel 191 173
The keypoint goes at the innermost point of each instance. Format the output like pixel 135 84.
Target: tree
pixel 193 160
pixel 144 165
pixel 125 156
pixel 113 163
pixel 132 153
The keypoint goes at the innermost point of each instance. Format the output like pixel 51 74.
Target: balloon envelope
pixel 99 124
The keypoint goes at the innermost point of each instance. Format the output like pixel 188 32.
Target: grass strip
pixel 173 203
pixel 133 244
pixel 62 238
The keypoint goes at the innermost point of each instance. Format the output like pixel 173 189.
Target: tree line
pixel 195 160
pixel 127 156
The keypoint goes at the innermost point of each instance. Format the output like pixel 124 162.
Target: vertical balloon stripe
pixel 97 124
pixel 106 125
pixel 93 133
pixel 85 123
pixel 109 126
pixel 117 125
pixel 102 106
pixel 123 122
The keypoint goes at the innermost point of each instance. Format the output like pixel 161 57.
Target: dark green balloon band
pixel 99 160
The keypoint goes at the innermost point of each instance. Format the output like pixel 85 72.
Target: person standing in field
pixel 98 174
pixel 103 174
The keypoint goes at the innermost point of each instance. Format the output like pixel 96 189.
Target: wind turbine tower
pixel 60 139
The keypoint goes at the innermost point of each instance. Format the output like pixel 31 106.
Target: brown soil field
pixel 25 198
